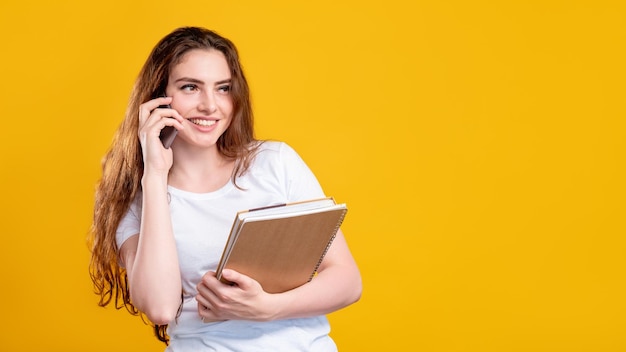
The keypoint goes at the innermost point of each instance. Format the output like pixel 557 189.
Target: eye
pixel 224 88
pixel 189 87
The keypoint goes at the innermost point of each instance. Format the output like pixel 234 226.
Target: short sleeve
pixel 130 223
pixel 301 182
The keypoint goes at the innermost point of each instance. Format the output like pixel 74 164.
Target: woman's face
pixel 200 89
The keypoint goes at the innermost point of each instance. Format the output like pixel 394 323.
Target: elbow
pixel 357 291
pixel 353 286
pixel 159 313
pixel 160 317
pixel 353 289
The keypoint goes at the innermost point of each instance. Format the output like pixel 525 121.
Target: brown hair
pixel 122 167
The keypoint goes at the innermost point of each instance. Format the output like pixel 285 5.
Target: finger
pixel 157 102
pixel 202 302
pixel 169 117
pixel 176 120
pixel 206 314
pixel 209 279
pixel 158 119
pixel 206 295
pixel 236 278
pixel 203 306
pixel 146 108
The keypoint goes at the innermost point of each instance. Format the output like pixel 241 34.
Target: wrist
pixel 273 310
pixel 154 179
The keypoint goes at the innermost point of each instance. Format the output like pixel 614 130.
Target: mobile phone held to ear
pixel 168 133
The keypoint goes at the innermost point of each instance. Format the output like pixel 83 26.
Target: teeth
pixel 203 122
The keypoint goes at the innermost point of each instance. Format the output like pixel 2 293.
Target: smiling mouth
pixel 201 122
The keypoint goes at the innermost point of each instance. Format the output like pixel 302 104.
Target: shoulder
pixel 275 151
pixel 277 157
pixel 274 146
pixel 277 164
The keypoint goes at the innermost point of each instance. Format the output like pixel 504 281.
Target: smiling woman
pixel 200 89
pixel 162 215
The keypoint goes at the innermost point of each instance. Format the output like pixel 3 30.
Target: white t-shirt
pixel 202 222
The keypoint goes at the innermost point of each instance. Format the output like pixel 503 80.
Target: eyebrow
pixel 195 80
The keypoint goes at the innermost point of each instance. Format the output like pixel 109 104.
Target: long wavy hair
pixel 122 166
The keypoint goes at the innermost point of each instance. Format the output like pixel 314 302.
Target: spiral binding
pixel 339 222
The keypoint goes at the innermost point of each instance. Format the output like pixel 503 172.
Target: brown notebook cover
pixel 282 246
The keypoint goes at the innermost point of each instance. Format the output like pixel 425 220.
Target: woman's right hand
pixel 152 119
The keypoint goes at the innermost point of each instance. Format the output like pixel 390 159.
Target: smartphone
pixel 168 133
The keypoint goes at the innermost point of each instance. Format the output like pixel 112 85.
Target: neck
pixel 200 171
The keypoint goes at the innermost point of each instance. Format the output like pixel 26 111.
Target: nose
pixel 207 103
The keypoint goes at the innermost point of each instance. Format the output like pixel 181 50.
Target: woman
pixel 162 215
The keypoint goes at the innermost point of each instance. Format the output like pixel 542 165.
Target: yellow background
pixel 479 146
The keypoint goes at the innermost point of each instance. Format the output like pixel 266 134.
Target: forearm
pixel 337 285
pixel 155 283
pixel 326 293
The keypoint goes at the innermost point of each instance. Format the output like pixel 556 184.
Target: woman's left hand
pixel 244 300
